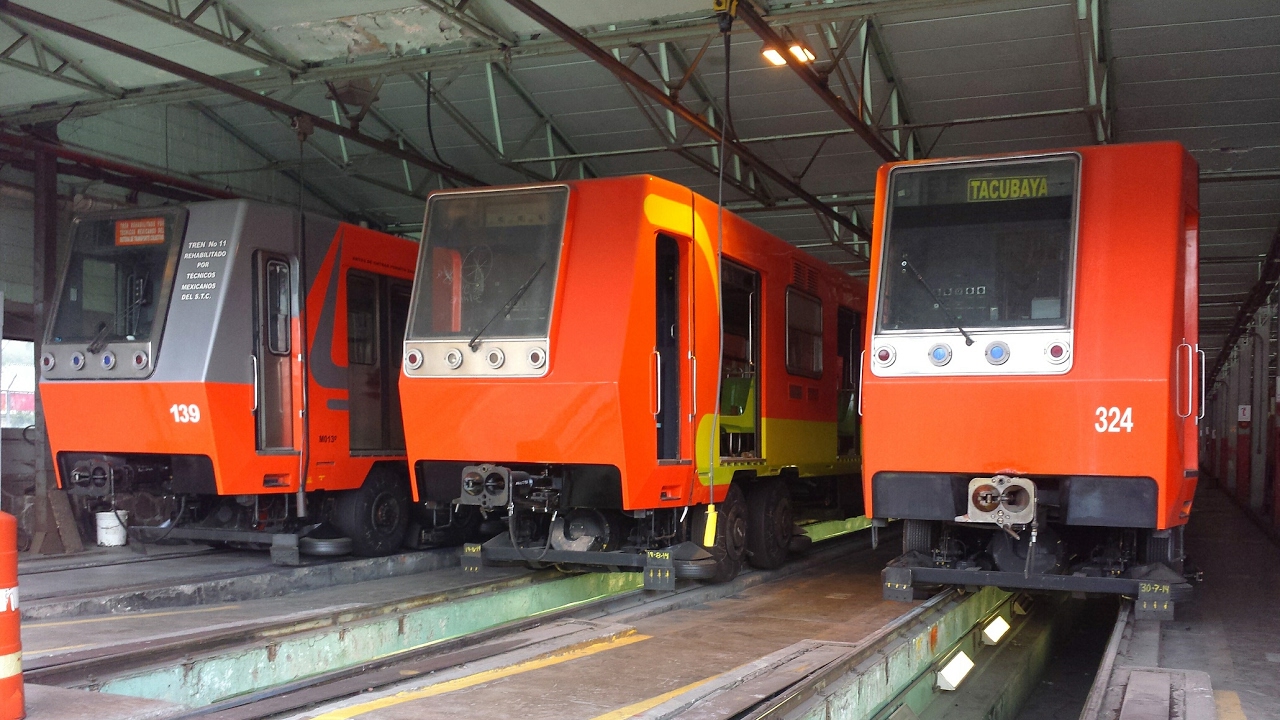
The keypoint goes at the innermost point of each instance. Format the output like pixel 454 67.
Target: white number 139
pixel 185 413
pixel 1114 419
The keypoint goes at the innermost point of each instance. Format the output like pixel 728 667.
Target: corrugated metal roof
pixel 1204 74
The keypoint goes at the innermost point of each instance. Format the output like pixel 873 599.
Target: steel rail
pixel 215 83
pixel 817 84
pixel 634 80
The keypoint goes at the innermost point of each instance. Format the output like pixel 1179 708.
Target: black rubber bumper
pixel 1153 599
pixel 685 561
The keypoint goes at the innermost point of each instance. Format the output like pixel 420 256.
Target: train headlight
pixel 494 483
pixel 108 360
pixel 495 358
pixel 885 355
pixel 1057 352
pixel 940 354
pixel 413 359
pixel 77 360
pixel 140 360
pixel 47 361
pixel 537 358
pixel 997 353
pixel 453 359
pixel 473 483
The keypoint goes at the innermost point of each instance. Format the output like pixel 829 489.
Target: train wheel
pixel 918 536
pixel 376 514
pixel 731 536
pixel 770 522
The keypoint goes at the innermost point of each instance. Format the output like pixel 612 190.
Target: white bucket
pixel 111 531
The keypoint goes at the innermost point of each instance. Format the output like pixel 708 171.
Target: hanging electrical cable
pixel 431 133
pixel 725 10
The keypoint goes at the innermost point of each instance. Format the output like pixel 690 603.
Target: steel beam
pixel 863 129
pixel 105 43
pixel 630 78
pixel 1268 276
pixel 43 49
pixel 233 42
pixel 1094 68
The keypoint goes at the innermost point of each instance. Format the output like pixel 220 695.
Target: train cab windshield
pixel 491 259
pixel 980 245
pixel 118 278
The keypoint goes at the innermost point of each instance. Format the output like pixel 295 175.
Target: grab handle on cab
pixel 657 385
pixel 254 358
pixel 1199 352
pixel 1191 375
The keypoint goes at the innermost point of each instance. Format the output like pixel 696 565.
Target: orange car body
pixel 199 391
pixel 1120 412
pixel 594 401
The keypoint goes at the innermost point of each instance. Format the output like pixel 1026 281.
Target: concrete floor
pixel 114 568
pixel 44 638
pixel 1231 629
pixel 675 650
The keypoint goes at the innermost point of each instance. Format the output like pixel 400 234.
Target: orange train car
pixel 565 376
pixel 180 382
pixel 1033 383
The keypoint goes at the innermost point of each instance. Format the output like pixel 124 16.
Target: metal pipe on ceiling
pixel 105 43
pixel 100 163
pixel 816 83
pixel 634 80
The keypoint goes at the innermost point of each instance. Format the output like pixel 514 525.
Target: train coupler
pixel 472 557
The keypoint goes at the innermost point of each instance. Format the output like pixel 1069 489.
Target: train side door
pixel 377 312
pixel 740 362
pixel 670 349
pixel 272 354
pixel 849 349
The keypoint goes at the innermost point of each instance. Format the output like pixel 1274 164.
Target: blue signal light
pixel 939 354
pixel 997 352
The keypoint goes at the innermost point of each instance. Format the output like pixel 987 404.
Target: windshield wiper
pixel 97 343
pixel 507 308
pixel 937 301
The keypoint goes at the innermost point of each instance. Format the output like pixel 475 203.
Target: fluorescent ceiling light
pixel 802 53
pixel 953 673
pixel 774 57
pixel 995 630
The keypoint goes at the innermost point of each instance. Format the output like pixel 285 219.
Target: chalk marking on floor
pixel 1228 703
pixel 108 618
pixel 653 702
pixel 480 678
pixel 44 651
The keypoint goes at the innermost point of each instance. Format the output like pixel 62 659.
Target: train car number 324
pixel 1113 419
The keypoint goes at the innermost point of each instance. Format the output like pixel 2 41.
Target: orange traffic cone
pixel 12 705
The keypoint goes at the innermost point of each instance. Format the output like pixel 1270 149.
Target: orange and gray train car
pixel 203 370
pixel 588 367
pixel 1033 383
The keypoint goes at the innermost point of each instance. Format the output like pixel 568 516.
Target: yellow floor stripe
pixel 479 678
pixel 129 616
pixel 653 702
pixel 1228 703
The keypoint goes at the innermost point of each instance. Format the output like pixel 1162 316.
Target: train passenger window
pixel 278 307
pixel 362 320
pixel 804 334
pixel 983 245
pixel 493 259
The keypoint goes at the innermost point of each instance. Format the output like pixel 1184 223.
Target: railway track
pixel 377 644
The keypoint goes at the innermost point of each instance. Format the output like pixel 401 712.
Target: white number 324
pixel 1113 419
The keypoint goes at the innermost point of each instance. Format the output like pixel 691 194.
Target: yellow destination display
pixel 1008 188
